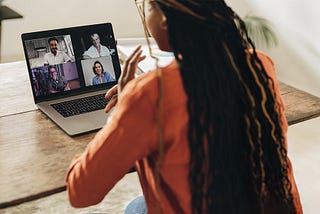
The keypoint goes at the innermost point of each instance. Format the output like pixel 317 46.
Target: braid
pixel 238 161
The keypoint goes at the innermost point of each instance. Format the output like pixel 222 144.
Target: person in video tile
pixel 54 56
pixel 100 75
pixel 56 82
pixel 96 49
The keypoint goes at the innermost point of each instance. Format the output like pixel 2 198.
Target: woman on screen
pixel 100 75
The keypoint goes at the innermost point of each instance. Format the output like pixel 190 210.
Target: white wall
pixel 297 58
pixel 297 25
pixel 47 14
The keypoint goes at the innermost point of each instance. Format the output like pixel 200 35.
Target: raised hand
pixel 129 70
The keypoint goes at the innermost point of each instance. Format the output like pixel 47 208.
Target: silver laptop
pixel 70 70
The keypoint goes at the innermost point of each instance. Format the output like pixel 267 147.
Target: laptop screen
pixel 71 61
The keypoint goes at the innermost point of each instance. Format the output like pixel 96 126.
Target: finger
pixel 134 52
pixel 112 91
pixel 133 64
pixel 132 55
pixel 141 58
pixel 111 103
pixel 130 69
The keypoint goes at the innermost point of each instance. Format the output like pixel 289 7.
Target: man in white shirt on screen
pixel 54 56
pixel 96 49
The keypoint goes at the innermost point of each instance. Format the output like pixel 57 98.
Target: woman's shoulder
pixel 266 61
pixel 264 57
pixel 105 74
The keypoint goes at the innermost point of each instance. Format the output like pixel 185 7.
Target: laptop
pixel 70 70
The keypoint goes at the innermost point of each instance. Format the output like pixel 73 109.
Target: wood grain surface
pixel 35 155
pixel 127 189
pixel 300 106
pixel 15 89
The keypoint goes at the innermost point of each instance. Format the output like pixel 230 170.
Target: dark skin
pixel 157 25
pixel 129 69
pixel 53 46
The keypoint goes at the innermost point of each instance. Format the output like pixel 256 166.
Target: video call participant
pixel 96 49
pixel 100 75
pixel 54 56
pixel 56 83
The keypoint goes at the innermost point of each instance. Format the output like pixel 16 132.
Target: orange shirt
pixel 131 137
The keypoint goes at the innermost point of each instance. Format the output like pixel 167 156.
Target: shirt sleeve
pixel 105 51
pixel 46 61
pixel 94 81
pixel 66 57
pixel 113 151
pixel 49 85
pixel 89 53
pixel 274 85
pixel 108 77
pixel 269 66
pixel 64 80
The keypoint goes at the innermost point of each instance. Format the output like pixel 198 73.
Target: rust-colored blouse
pixel 131 138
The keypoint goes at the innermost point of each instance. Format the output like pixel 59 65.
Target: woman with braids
pixel 206 134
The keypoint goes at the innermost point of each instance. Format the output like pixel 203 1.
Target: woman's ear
pixel 163 22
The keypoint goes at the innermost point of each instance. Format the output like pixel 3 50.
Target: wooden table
pixel 35 153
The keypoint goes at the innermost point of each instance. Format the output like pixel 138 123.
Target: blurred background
pixel 296 56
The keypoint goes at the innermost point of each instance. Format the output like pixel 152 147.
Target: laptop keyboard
pixel 81 105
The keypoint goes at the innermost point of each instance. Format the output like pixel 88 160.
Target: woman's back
pixel 207 133
pixel 174 168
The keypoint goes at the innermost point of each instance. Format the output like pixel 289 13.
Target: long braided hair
pixel 238 157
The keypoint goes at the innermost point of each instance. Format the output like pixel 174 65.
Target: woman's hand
pixel 112 94
pixel 129 70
